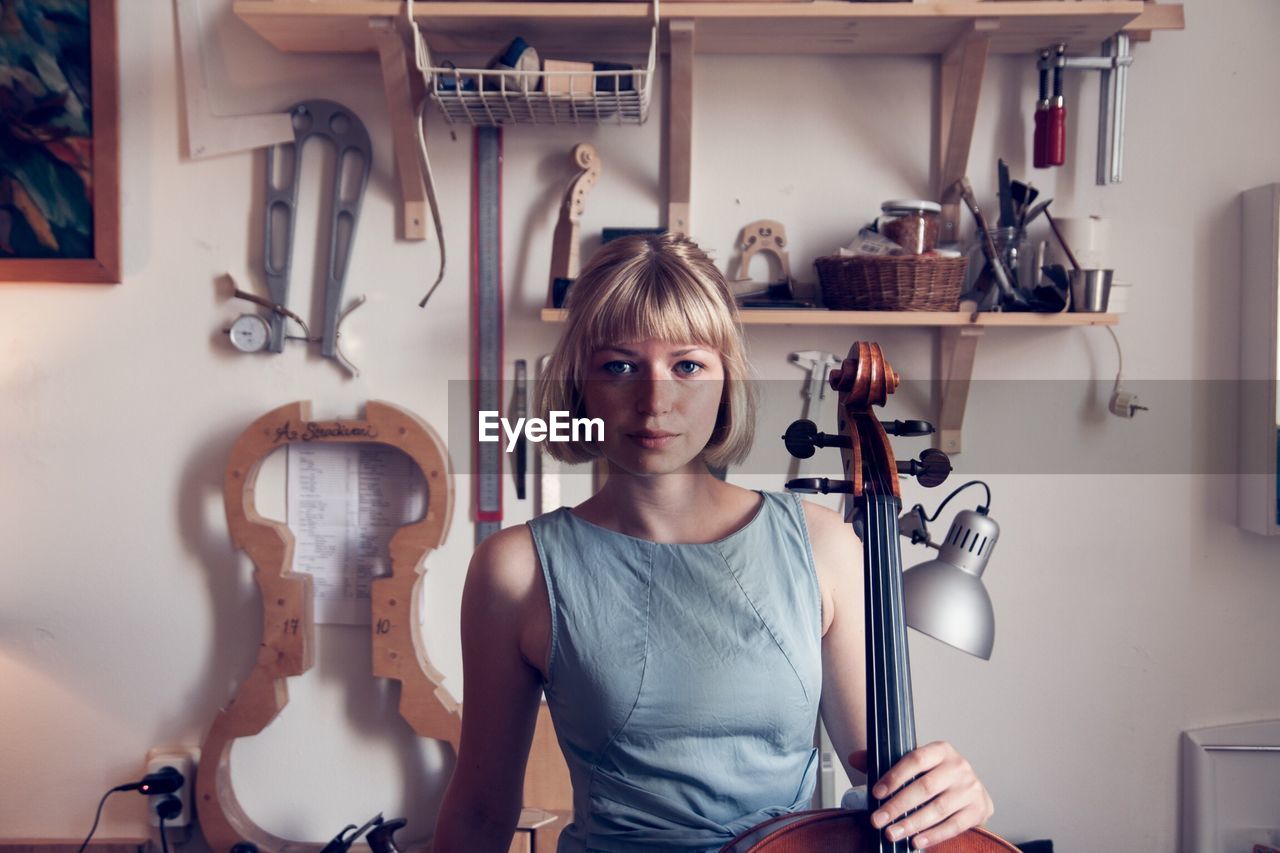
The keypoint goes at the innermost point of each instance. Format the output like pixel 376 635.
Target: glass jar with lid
pixel 911 223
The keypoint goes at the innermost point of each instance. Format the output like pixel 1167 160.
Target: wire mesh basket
pixel 501 96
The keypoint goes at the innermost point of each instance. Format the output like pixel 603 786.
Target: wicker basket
pixel 892 283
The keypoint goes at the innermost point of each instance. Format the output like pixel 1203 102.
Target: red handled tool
pixel 1040 141
pixel 1056 143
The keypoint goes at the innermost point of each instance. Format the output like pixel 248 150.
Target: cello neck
pixel 891 731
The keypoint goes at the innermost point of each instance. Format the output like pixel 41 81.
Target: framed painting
pixel 59 141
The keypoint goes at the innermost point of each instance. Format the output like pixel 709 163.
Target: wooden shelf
pixel 921 319
pixel 956 339
pixel 961 34
pixel 818 27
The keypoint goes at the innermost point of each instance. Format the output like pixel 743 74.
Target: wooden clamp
pixel 287 626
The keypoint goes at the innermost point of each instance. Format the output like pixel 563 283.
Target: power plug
pixel 184 760
pixel 1124 404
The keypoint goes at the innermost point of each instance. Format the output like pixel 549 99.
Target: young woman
pixel 686 632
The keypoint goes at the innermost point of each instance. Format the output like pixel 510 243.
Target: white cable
pixel 1119 356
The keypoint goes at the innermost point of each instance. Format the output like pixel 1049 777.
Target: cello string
pixel 886 628
pixel 889 641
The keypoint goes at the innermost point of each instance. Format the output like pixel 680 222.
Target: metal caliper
pixel 354 159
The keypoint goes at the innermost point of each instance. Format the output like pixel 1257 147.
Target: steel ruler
pixel 486 312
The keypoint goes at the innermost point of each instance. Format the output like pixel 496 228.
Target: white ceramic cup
pixel 1089 238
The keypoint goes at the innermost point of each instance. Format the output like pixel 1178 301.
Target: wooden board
pixel 821 26
pixel 922 319
pixel 287 625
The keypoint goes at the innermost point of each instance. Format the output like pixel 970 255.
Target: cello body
pixel 845 831
pixel 865 380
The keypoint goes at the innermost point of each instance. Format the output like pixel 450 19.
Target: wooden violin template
pixel 287 626
pixel 864 380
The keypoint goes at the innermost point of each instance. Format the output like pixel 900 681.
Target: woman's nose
pixel 654 396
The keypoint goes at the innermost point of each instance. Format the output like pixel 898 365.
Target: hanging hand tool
pixel 1056 150
pixel 520 410
pixel 353 161
pixel 486 301
pixel 1114 64
pixel 1040 140
pixel 338 125
pixel 546 496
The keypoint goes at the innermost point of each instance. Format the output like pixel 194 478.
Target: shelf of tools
pixel 961 34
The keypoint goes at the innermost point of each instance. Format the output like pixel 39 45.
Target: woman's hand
pixel 947 796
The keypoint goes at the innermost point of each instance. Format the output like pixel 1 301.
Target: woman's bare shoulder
pixel 826 524
pixel 505 563
pixel 506 595
pixel 836 556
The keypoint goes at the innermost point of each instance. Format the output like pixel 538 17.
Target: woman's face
pixel 658 401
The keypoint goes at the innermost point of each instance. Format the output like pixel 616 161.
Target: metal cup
pixel 1090 290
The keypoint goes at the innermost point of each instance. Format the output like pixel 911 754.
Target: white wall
pixel 1129 607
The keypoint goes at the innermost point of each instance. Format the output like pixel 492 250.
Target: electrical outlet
pixel 184 760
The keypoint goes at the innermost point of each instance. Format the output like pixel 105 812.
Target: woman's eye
pixel 689 368
pixel 618 368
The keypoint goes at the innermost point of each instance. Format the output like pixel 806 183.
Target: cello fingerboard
pixel 891 730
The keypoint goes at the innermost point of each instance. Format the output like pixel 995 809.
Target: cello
pixel 864 380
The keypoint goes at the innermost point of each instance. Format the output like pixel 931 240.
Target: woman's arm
pixel 837 555
pixel 947 795
pixel 501 629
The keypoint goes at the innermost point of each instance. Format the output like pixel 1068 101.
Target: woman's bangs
pixel 678 314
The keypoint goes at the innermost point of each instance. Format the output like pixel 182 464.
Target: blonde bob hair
pixel 661 287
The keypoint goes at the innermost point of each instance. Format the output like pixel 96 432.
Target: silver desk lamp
pixel 944 597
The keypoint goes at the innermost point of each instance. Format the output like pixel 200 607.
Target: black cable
pixel 982 509
pixel 167 809
pixel 98 816
pixel 164 839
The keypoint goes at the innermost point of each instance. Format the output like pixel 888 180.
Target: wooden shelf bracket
pixel 960 75
pixel 679 125
pixel 404 92
pixel 955 349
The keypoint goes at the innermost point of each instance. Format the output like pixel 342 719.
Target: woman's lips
pixel 652 439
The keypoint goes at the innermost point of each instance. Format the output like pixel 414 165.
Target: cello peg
pixel 907 428
pixel 932 469
pixel 802 438
pixel 820 485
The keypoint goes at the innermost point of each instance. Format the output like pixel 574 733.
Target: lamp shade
pixel 945 597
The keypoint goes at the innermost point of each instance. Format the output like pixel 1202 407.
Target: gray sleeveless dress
pixel 684 679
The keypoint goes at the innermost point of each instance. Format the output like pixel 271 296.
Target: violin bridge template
pixel 767 237
pixel 288 628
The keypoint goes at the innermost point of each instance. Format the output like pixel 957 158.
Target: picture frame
pixel 60 164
